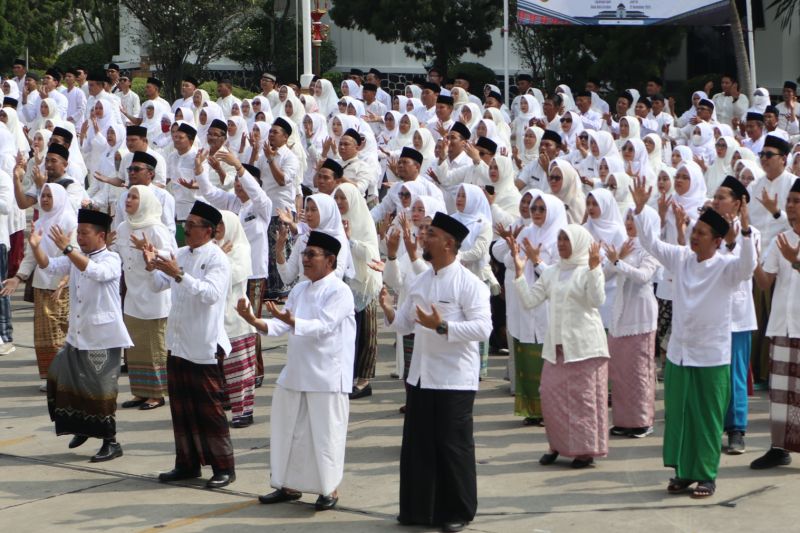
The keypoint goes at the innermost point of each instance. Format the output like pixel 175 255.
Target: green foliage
pixel 100 20
pixel 785 12
pixel 336 78
pixel 438 31
pixel 39 25
pixel 90 55
pixel 182 30
pixel 621 57
pixel 267 43
pixel 477 74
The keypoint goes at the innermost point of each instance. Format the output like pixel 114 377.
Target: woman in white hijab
pixel 655 152
pixel 261 105
pixel 185 114
pixel 686 118
pixel 505 200
pixel 635 95
pixel 391 121
pixel 365 284
pixel 293 109
pixel 574 384
pixel 351 88
pixel 163 143
pixel 145 311
pixel 571 127
pixel 759 104
pixel 11 121
pixel 151 121
pixel 527 327
pixel 315 132
pixel 48 110
pixel 50 300
pixel 604 222
pixel 637 161
pixel 240 364
pixel 702 144
pixel 566 186
pixel 413 91
pixel 208 114
pixel 618 184
pixel 529 151
pixel 321 214
pixel 629 128
pixel 472 210
pixel 721 167
pixel 407 126
pixel 470 116
pixel 529 108
pixel 567 98
pixel 601 144
pixel 748 172
pixel 503 129
pixel 326 97
pixel 103 195
pixel 486 128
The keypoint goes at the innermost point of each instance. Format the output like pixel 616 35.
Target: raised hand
pixel 139 244
pixel 594 255
pixel 429 320
pixel 377 265
pixel 284 316
pixel 769 203
pixel 502 231
pixel 627 248
pixel 58 236
pixel 199 159
pixel 245 311
pixel 519 262
pixel 611 253
pixel 393 242
pixel 789 252
pixel 640 192
pixel 531 252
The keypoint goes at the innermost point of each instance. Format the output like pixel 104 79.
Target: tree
pixel 740 51
pixel 100 20
pixel 437 31
pixel 184 31
pixel 785 12
pixel 622 57
pixel 266 43
pixel 38 25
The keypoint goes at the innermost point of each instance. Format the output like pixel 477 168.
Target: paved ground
pixel 46 487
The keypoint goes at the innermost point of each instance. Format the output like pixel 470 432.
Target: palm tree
pixel 740 50
pixel 785 11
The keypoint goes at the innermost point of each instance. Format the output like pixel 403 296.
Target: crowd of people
pixel 602 249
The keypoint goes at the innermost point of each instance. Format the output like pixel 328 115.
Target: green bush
pixel 335 77
pixel 90 55
pixel 210 87
pixel 478 75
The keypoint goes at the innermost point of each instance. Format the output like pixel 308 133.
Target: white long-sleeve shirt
pixel 321 350
pixel 253 214
pixel 95 313
pixel 702 293
pixel 282 196
pixel 759 216
pixel 452 361
pixel 196 321
pixel 784 317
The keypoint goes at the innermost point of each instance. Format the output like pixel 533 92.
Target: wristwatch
pixel 441 329
pixel 179 277
pixel 777 214
pixel 68 249
pixel 747 232
pixel 796 265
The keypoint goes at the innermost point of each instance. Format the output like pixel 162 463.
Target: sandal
pixel 531 421
pixel 704 489
pixel 678 486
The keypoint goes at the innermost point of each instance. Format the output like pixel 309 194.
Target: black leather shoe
pixel 326 503
pixel 218 481
pixel 77 440
pixel 176 475
pixel 582 463
pixel 548 458
pixel 774 457
pixel 259 381
pixel 147 406
pixel 453 526
pixel 280 495
pixel 362 392
pixel 133 403
pixel 109 450
pixel 242 422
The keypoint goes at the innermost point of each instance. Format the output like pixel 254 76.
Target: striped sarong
pixel 50 324
pixel 240 375
pixel 784 393
pixel 147 358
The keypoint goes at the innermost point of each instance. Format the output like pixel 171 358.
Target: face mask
pixel 165 128
pixel 697 140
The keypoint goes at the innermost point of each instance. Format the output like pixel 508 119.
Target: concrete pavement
pixel 46 487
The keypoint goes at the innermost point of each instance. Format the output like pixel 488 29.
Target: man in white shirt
pixel 180 174
pixel 374 76
pixel 112 71
pixel 76 100
pixel 199 278
pixel 268 83
pixel 30 98
pixel 772 121
pixel 754 127
pixel 254 208
pixel 664 122
pixel 524 82
pixel 611 122
pixel 310 404
pixel 782 268
pixel 82 379
pixel 462 82
pixel 441 123
pixel 591 119
pixel 226 98
pixel 55 166
pixel 642 111
pixel 447 309
pixel 730 104
pixel 129 100
pixel 97 82
pixel 20 70
pixel 408 167
pixel 373 106
pixel 697 379
pixel 535 173
pixel 355 170
pixel 430 92
pixel 152 91
pixel 83 83
pixel 279 167
pixel 50 83
pixel 136 141
pixel 788 108
pixel 189 85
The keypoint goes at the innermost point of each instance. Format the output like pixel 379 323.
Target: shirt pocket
pixel 102 318
pixel 449 311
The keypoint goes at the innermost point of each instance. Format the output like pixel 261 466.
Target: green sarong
pixel 695 402
pixel 180 234
pixel 528 364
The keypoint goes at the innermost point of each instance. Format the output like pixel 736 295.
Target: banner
pixel 624 12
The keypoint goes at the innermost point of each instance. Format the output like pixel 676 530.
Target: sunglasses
pixel 583 137
pixel 554 177
pixel 566 120
pixel 136 169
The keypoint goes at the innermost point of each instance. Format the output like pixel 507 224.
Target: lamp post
pixel 319 32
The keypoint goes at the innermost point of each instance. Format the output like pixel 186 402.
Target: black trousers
pixel 438 482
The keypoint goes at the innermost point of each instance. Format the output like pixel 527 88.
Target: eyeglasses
pixel 554 177
pixel 342 104
pixel 566 119
pixel 627 148
pixel 311 254
pixel 721 145
pixel 188 224
pixel 136 169
pixel 539 208
pixel 767 155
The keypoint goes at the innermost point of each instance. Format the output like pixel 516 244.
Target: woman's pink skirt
pixel 632 371
pixel 575 406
